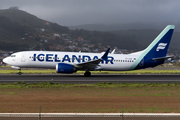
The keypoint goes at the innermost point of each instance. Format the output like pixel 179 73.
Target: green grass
pixel 9 93
pixel 2 66
pixel 98 92
pixel 145 86
pixel 28 71
pixel 143 72
pixel 150 110
pixel 138 72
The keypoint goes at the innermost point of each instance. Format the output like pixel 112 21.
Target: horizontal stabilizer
pixel 163 58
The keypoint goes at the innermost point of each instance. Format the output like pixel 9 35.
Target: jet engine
pixel 65 68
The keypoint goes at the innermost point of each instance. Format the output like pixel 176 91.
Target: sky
pixel 78 12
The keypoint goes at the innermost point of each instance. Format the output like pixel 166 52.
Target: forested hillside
pixel 20 30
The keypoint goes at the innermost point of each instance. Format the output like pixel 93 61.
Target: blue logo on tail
pixel 161 46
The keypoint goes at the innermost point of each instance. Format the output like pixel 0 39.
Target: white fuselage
pixel 49 59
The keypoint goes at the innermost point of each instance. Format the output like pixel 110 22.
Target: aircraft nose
pixel 5 60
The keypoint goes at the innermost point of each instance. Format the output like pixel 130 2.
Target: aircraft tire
pixel 87 74
pixel 19 73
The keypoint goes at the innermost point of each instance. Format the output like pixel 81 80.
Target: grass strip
pixel 94 72
pixel 99 97
pixel 97 85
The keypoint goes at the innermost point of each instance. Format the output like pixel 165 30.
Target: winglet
pixel 113 51
pixel 104 57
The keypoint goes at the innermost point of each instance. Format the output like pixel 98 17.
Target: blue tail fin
pixel 157 49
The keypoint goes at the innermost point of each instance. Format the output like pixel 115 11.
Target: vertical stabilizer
pixel 157 49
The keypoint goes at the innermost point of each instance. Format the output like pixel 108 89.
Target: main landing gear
pixel 19 73
pixel 87 74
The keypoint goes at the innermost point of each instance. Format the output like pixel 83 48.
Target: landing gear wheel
pixel 87 74
pixel 19 73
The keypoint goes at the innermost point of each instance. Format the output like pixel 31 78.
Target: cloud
pixel 76 12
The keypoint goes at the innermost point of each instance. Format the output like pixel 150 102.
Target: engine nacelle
pixel 65 68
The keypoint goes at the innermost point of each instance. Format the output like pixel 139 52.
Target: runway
pixel 97 78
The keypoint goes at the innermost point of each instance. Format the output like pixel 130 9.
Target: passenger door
pixel 23 57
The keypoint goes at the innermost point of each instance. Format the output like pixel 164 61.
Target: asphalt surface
pixel 76 78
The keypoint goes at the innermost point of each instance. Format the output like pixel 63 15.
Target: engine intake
pixel 65 68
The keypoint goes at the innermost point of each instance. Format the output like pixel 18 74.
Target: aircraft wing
pixel 93 64
pixel 89 65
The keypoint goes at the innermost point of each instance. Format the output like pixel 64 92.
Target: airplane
pixel 70 62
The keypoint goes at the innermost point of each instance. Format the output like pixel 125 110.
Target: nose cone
pixel 5 60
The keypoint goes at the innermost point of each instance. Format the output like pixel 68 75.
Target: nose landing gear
pixel 19 73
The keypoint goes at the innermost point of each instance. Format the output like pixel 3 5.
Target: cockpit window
pixel 13 55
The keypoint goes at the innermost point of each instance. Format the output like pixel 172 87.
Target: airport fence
pixel 38 115
pixel 89 116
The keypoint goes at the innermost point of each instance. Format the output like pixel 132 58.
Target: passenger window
pixel 13 55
